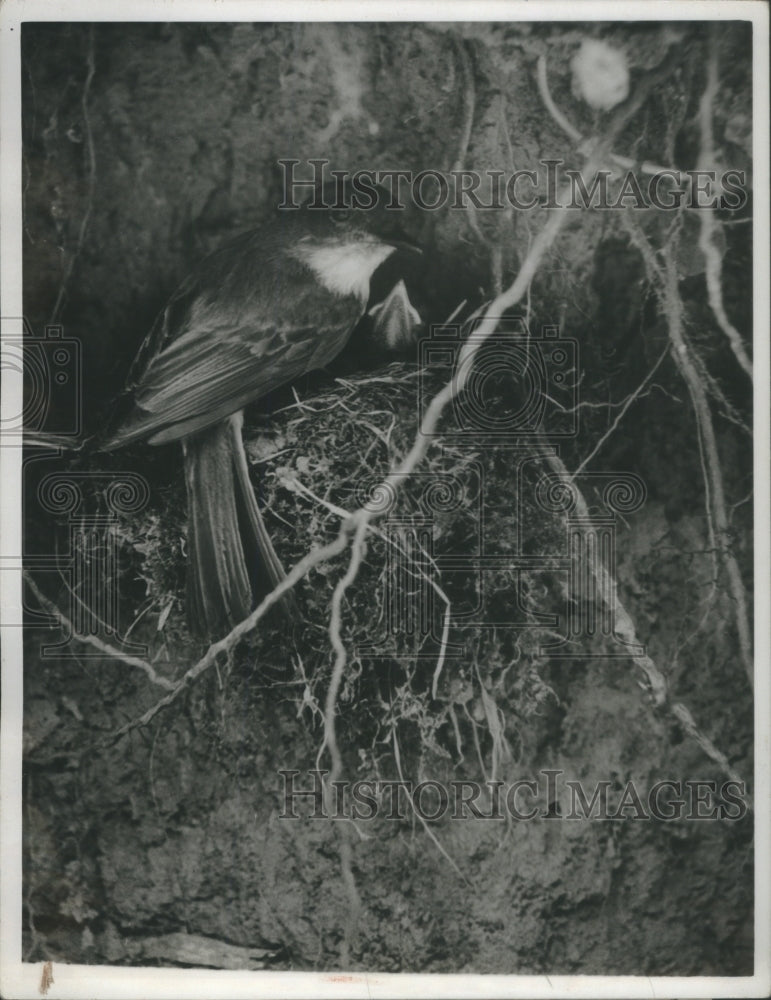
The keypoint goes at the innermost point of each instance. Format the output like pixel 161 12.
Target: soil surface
pixel 146 146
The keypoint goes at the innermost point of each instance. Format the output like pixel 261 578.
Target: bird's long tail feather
pixel 229 548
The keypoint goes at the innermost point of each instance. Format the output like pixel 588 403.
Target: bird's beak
pixel 405 244
pixel 396 319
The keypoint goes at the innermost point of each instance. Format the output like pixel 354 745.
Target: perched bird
pixel 265 309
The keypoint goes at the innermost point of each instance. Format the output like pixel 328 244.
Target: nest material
pixel 447 690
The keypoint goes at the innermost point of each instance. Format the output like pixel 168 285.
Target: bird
pixel 273 304
pixel 395 319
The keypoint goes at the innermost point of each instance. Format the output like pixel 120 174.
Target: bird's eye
pixel 339 215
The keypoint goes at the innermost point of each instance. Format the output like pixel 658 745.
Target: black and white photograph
pixel 385 508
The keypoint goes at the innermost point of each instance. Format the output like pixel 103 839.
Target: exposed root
pixel 666 284
pixel 707 222
pixel 86 218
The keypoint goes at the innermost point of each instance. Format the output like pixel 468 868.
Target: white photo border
pixel 21 980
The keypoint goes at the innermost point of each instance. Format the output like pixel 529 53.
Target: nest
pixel 425 659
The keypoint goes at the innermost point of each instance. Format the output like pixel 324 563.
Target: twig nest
pixel 600 74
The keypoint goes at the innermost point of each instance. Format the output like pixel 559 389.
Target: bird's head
pixel 343 246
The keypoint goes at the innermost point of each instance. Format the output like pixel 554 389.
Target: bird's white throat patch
pixel 346 268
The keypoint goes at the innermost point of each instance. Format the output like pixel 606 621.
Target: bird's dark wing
pixel 217 275
pixel 221 360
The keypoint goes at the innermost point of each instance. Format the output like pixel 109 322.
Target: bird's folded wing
pixel 213 369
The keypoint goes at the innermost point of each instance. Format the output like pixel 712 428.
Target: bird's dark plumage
pixel 251 318
pixel 259 313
